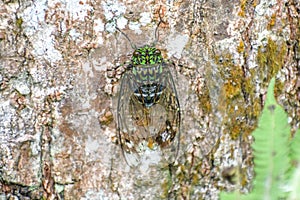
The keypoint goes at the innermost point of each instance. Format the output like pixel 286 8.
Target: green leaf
pixel 271 148
pixel 295 150
pixel 295 176
pixel 295 185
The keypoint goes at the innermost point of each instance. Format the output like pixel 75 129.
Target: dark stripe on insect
pixel 149 95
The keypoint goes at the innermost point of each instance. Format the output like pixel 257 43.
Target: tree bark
pixel 60 65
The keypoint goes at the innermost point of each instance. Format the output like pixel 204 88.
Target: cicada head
pixel 146 56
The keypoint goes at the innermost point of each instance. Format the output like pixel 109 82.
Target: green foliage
pixel 274 152
pixel 295 175
pixel 271 147
pixel 295 150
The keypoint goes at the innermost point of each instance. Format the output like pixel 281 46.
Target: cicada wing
pixel 125 123
pixel 154 127
pixel 169 137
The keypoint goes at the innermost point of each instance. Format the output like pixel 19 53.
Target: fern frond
pixel 271 148
pixel 295 150
pixel 295 175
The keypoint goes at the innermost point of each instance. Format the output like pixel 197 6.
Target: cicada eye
pixel 157 52
pixel 136 53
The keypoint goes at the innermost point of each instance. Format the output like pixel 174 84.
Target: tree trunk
pixel 61 63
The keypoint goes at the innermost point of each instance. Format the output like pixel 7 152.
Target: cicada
pixel 148 110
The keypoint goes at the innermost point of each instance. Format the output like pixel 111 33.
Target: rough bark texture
pixel 58 83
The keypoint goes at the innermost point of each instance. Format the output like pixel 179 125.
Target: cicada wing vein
pixel 125 126
pixel 169 100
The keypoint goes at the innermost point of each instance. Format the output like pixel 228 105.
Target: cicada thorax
pixel 148 83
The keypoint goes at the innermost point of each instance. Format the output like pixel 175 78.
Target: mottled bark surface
pixel 59 80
